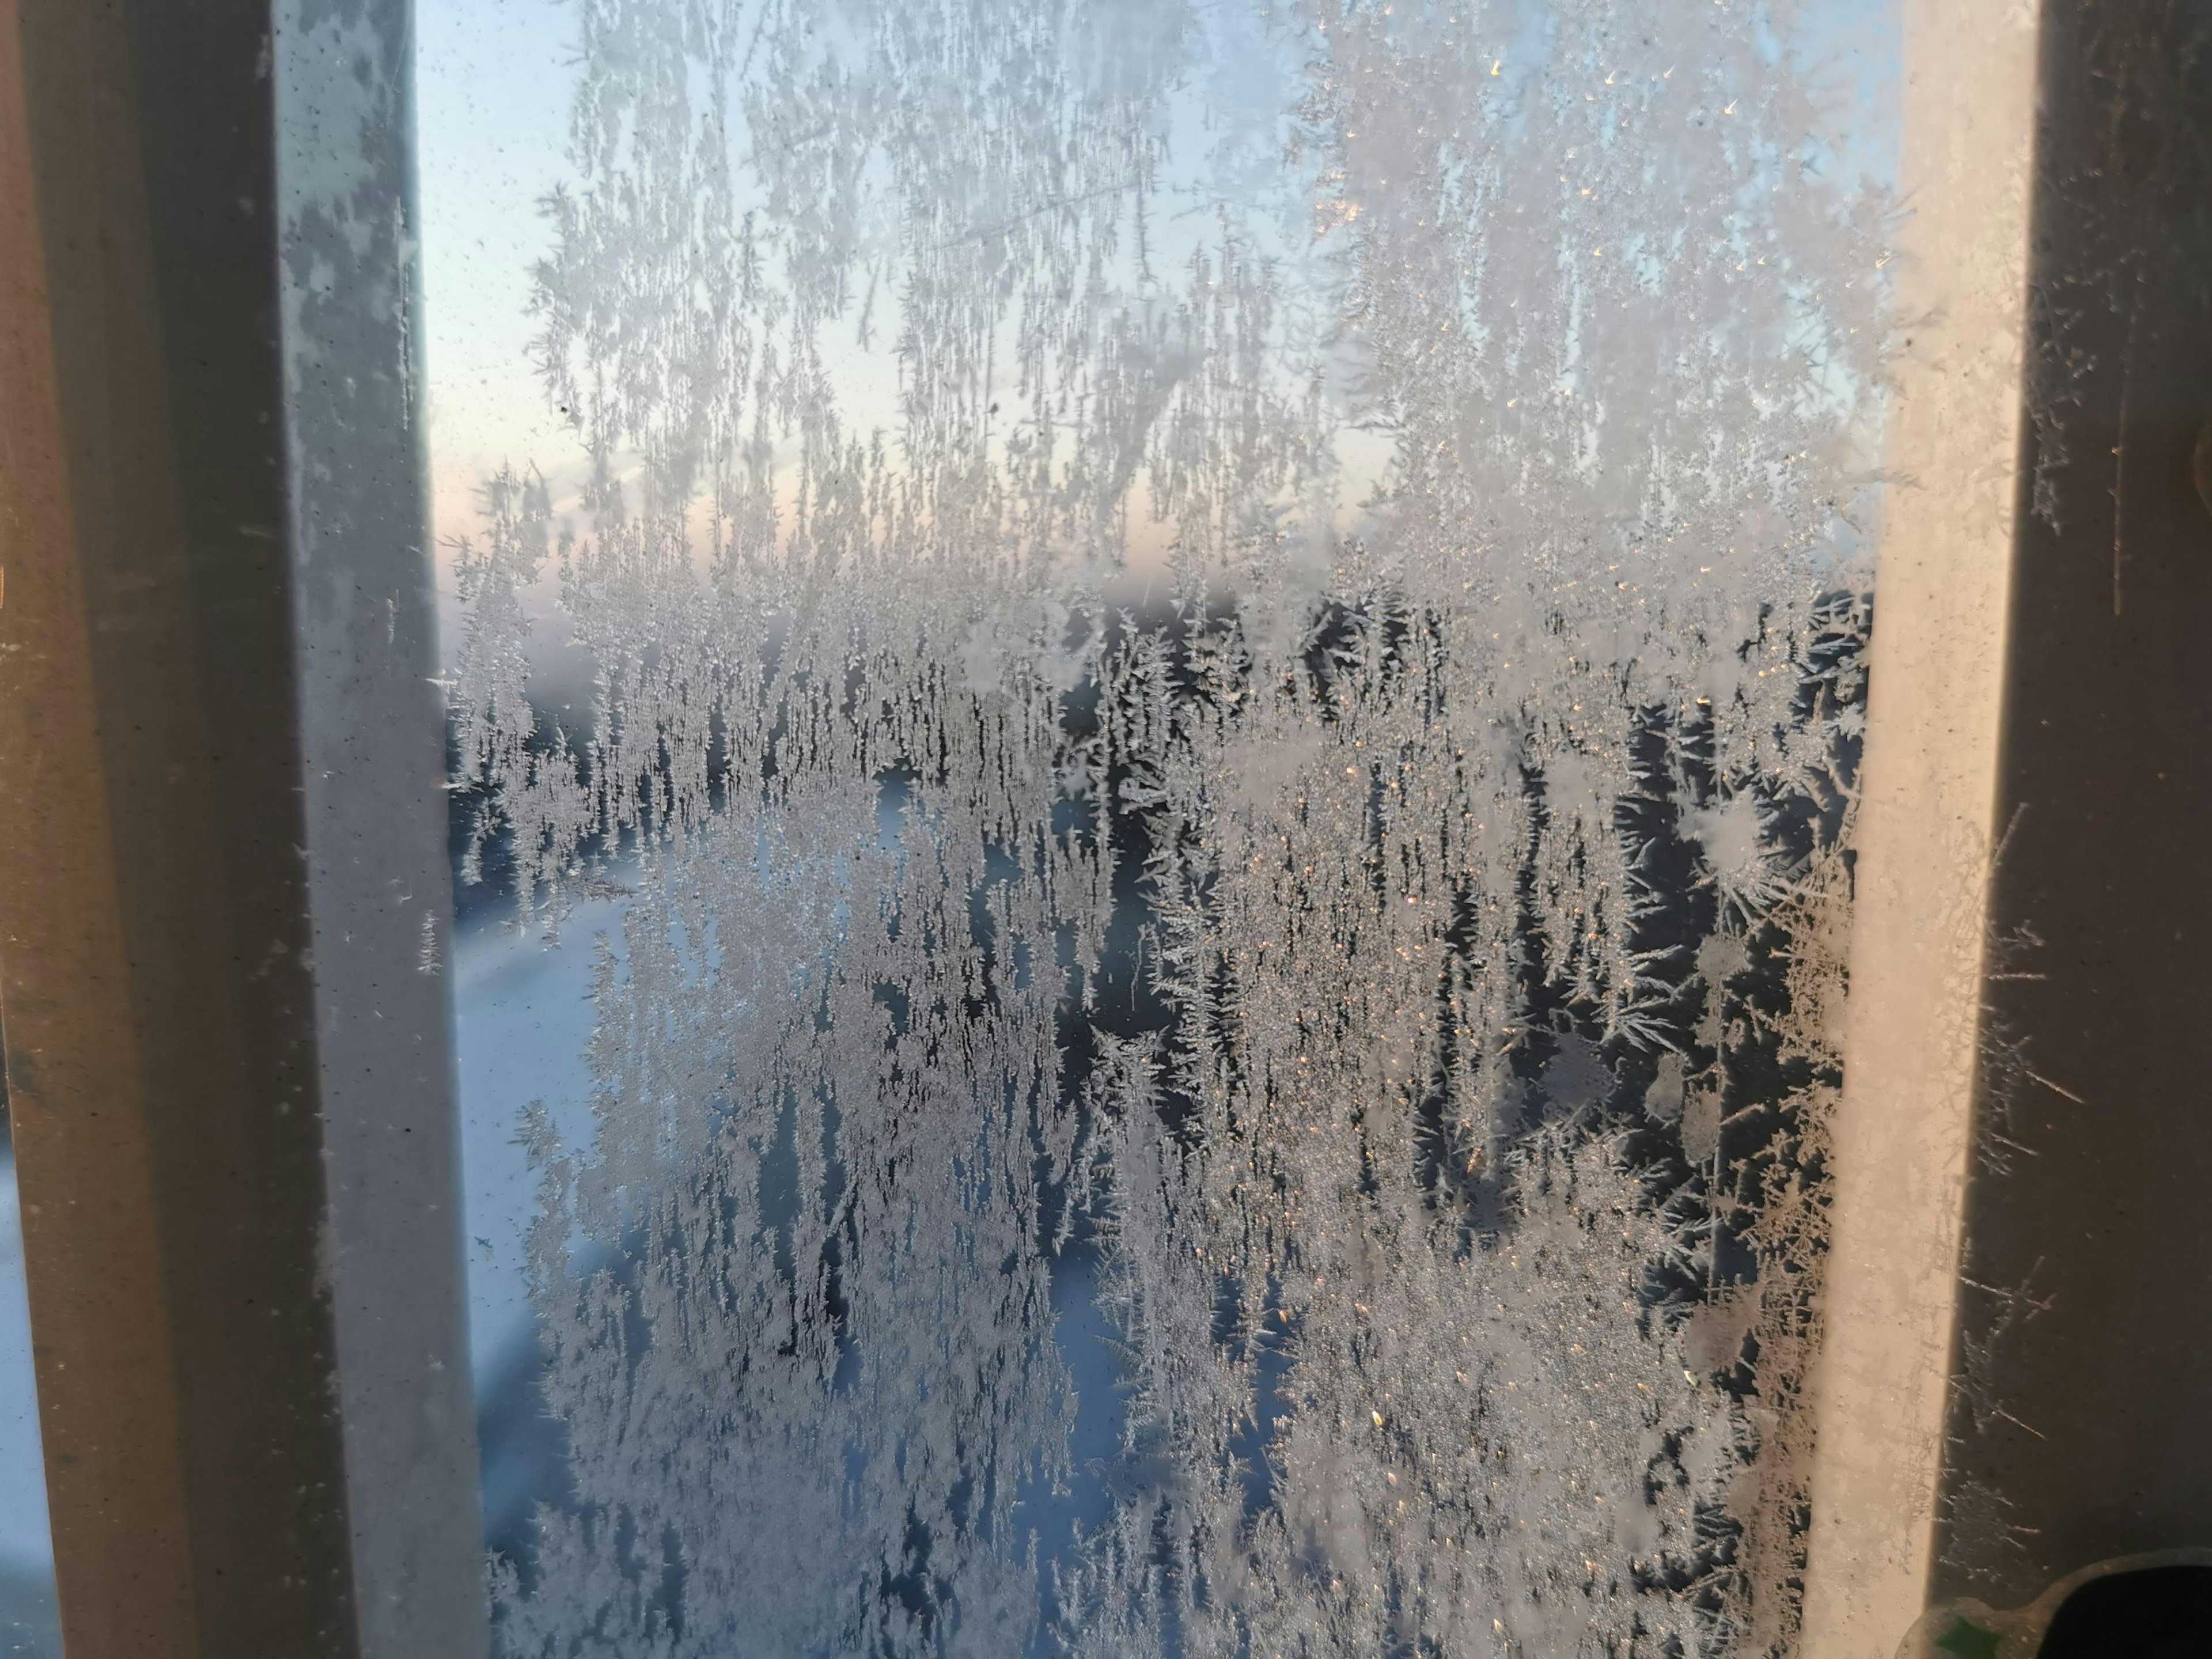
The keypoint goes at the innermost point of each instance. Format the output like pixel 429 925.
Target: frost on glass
pixel 1227 687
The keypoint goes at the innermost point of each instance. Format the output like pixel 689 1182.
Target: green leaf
pixel 1967 1640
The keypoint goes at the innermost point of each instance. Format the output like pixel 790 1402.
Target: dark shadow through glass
pixel 2153 1612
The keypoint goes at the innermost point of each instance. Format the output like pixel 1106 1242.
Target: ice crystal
pixel 1227 675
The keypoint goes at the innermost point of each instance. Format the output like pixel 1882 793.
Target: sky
pixel 493 86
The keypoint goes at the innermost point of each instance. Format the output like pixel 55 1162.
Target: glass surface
pixel 27 1623
pixel 1156 720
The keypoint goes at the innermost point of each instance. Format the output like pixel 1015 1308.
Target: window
pixel 1259 829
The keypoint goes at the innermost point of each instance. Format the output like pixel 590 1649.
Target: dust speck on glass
pixel 1155 709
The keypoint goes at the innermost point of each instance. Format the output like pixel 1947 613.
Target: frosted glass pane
pixel 1157 713
pixel 28 1621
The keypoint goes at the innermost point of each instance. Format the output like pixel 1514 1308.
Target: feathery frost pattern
pixel 1228 686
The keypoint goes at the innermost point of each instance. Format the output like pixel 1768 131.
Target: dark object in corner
pixel 2153 1613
